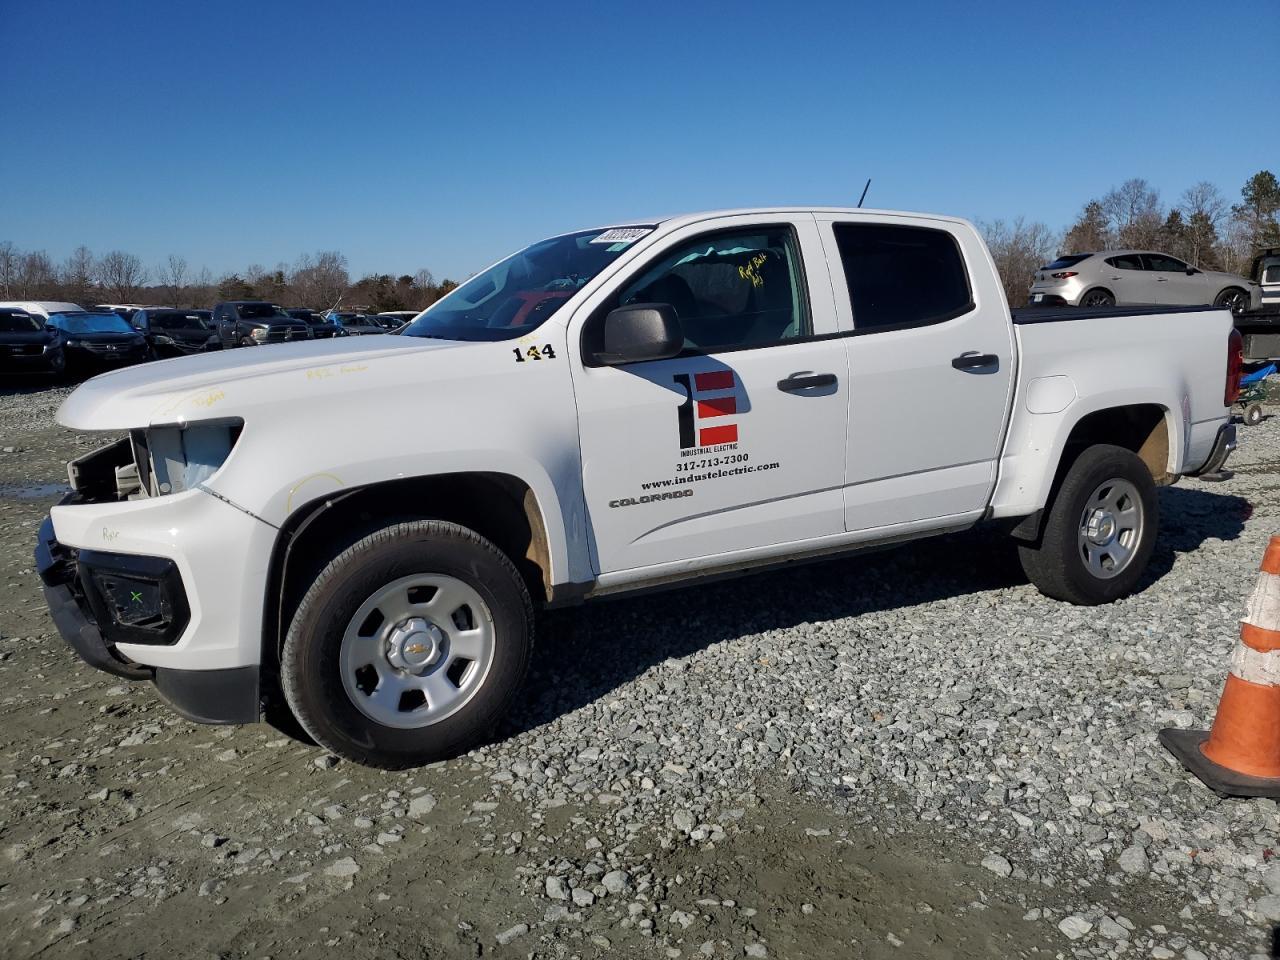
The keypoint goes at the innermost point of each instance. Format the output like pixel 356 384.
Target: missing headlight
pixel 180 458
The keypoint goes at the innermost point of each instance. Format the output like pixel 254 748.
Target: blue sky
pixel 445 135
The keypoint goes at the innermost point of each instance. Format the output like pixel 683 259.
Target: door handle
pixel 806 381
pixel 973 360
pixel 1162 279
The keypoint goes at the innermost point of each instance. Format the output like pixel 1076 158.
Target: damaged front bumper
pixel 119 588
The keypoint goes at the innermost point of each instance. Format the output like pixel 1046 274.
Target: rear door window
pixel 1165 264
pixel 1128 261
pixel 902 276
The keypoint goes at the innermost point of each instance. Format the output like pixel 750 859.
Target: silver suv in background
pixel 1135 277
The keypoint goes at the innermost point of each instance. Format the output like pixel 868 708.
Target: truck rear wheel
pixel 1100 530
pixel 409 646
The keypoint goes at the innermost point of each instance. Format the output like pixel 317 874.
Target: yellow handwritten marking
pixel 209 399
pixel 200 398
pixel 288 507
pixel 324 373
pixel 751 270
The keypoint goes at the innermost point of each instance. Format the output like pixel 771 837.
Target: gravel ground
pixel 907 754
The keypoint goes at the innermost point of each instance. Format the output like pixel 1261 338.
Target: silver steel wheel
pixel 417 650
pixel 1110 528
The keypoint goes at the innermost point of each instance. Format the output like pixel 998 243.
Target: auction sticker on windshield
pixel 623 235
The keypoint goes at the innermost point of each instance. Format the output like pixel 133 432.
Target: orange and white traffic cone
pixel 1240 756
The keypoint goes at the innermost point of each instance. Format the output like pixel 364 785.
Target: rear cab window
pixel 902 276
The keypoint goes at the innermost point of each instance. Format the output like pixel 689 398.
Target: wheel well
pixel 1230 287
pixel 1097 290
pixel 499 507
pixel 1140 428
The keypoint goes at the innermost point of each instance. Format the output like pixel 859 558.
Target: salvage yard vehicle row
pixel 606 411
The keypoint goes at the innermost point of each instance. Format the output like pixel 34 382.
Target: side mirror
pixel 639 332
pixel 1191 270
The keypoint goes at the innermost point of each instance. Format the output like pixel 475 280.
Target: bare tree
pixel 1235 250
pixel 1204 209
pixel 320 281
pixel 1134 213
pixel 77 275
pixel 120 275
pixel 9 256
pixel 201 291
pixel 172 276
pixel 1018 249
pixel 36 277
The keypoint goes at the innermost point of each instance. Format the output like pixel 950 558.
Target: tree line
pixel 1202 228
pixel 320 281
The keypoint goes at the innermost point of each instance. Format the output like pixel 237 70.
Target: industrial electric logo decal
pixel 709 423
pixel 711 400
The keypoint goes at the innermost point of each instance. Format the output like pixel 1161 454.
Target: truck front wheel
pixel 1100 530
pixel 409 646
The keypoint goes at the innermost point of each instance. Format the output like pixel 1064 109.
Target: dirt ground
pixel 126 831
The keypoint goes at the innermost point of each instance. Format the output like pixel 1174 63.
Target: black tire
pixel 1234 299
pixel 1098 298
pixel 1252 415
pixel 310 662
pixel 1056 564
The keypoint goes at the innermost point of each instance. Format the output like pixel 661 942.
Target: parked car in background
pixel 99 339
pixel 28 345
pixel 174 333
pixel 248 323
pixel 1135 278
pixel 43 308
pixel 321 327
pixel 126 310
pixel 1265 272
pixel 395 319
pixel 1260 326
pixel 358 324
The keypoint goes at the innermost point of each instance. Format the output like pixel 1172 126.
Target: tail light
pixel 1235 363
pixel 1064 275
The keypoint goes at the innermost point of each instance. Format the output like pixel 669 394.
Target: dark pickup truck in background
pixel 248 323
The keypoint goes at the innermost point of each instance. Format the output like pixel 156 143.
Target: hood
pixel 234 383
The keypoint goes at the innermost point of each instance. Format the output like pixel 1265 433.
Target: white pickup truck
pixel 357 533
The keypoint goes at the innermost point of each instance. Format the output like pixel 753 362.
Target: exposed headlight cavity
pixel 182 457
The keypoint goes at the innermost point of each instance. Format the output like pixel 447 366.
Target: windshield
pixel 517 295
pixel 261 311
pixel 180 321
pixel 14 322
pixel 90 322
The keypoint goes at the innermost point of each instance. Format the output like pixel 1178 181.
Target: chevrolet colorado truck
pixel 611 410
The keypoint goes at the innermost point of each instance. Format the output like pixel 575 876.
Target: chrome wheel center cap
pixel 414 645
pixel 1101 529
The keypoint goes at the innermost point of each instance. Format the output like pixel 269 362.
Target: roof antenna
pixel 864 192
